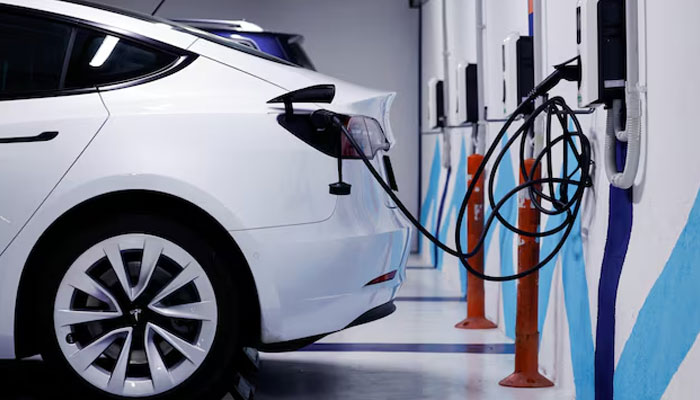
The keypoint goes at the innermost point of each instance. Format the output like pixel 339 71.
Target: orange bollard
pixel 476 316
pixel 526 335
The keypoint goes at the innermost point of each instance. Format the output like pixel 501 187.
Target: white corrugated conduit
pixel 633 127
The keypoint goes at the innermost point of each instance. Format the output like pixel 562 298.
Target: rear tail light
pixel 368 135
pixel 365 130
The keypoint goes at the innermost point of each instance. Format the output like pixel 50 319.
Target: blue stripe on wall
pixel 575 295
pixel 460 189
pixel 547 272
pixel 506 182
pixel 548 245
pixel 619 231
pixel 438 256
pixel 430 201
pixel 578 314
pixel 578 310
pixel 668 323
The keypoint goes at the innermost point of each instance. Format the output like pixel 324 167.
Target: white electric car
pixel 158 213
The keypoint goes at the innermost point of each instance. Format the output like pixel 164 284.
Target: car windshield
pixel 187 29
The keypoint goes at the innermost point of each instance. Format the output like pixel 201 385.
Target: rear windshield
pixel 185 28
pixel 285 46
pixel 226 42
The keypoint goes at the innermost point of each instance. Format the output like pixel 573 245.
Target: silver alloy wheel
pixel 135 315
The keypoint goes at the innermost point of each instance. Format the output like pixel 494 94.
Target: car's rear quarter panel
pixel 209 126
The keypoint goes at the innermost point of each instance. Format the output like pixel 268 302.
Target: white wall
pixel 368 42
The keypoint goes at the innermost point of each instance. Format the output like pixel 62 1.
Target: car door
pixel 44 126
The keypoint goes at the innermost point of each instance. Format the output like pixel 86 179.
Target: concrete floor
pixel 413 354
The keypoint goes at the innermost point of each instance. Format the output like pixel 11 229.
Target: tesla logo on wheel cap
pixel 135 314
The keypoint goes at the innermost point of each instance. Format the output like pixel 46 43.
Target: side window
pixel 32 54
pixel 100 59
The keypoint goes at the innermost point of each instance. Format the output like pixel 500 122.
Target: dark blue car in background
pixel 281 45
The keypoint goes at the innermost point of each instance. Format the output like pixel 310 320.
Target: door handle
pixel 42 137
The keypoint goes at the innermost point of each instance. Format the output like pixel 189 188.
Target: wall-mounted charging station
pixel 436 104
pixel 469 93
pixel 518 70
pixel 608 43
pixel 601 40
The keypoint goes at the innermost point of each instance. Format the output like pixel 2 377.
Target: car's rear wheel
pixel 139 307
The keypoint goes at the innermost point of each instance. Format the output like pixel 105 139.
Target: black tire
pixel 212 380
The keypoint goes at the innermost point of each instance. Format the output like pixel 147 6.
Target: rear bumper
pixel 312 279
pixel 370 316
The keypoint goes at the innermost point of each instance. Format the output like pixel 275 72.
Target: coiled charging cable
pixel 561 201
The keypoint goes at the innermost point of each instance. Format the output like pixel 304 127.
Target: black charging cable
pixel 562 202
